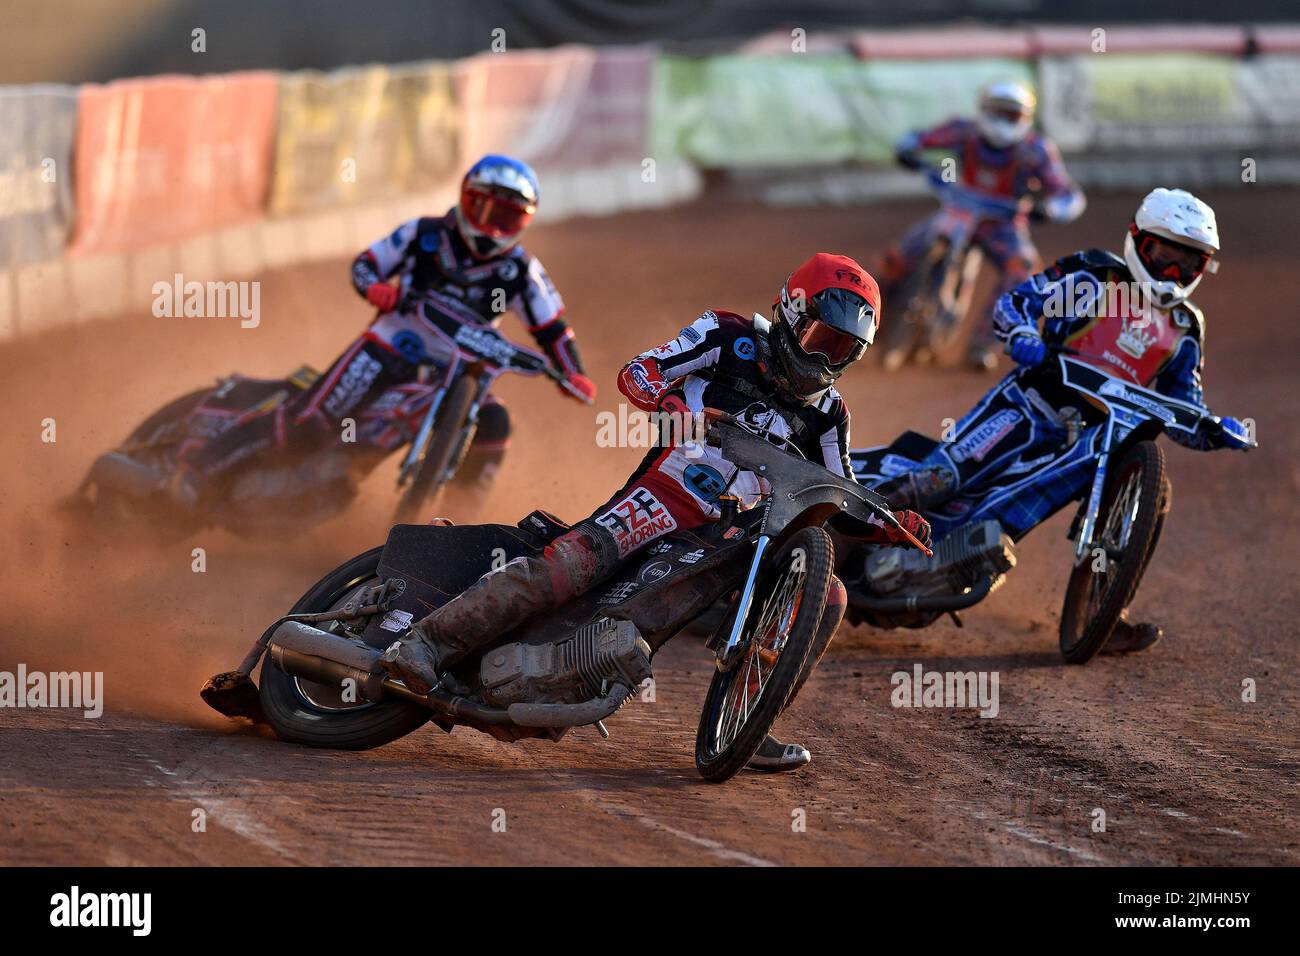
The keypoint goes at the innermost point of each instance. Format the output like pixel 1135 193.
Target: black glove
pixel 908 159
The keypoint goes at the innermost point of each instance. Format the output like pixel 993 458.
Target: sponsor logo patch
pixel 352 384
pixel 744 348
pixel 705 482
pixel 654 571
pixel 619 593
pixel 636 520
pixel 396 621
pixel 987 434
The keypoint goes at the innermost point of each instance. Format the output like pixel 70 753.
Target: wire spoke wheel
pixel 1105 580
pixel 744 700
pixel 317 714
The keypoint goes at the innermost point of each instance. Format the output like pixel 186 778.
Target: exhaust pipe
pixel 941 603
pixel 125 474
pixel 569 715
pixel 312 654
pixel 301 650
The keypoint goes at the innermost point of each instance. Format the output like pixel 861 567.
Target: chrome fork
pixel 726 654
pixel 1084 542
pixel 422 435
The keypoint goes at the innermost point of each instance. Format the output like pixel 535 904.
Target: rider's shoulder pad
pixel 1188 316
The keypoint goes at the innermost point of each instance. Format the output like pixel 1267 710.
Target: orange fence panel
pixel 163 158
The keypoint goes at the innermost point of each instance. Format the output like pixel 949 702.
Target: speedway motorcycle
pixel 432 419
pixel 1115 529
pixel 322 682
pixel 933 301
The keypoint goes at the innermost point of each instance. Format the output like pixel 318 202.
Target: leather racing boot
pixel 1128 638
pixel 499 601
pixel 920 489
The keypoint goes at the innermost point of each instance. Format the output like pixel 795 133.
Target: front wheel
pixel 1105 580
pixel 442 456
pixel 744 701
pixel 306 712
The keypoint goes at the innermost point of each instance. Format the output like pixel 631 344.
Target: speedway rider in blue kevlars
pixel 466 265
pixel 1129 316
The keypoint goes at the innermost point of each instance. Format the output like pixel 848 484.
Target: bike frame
pixel 962 210
pixel 1127 407
pixel 820 495
pixel 480 349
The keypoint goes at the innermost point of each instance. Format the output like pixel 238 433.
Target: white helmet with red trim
pixel 1006 113
pixel 1171 244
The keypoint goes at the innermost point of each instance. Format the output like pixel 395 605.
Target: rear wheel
pixel 443 455
pixel 305 712
pixel 744 701
pixel 950 318
pixel 1105 580
pixel 155 426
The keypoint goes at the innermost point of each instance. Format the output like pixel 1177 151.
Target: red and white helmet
pixel 1171 244
pixel 1006 113
pixel 823 320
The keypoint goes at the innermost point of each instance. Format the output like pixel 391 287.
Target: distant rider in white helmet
pixel 999 154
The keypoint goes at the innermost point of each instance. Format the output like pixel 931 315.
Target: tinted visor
pixel 815 337
pixel 1012 114
pixel 495 215
pixel 1171 260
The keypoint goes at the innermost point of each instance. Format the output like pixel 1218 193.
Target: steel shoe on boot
pixel 1128 638
pixel 773 756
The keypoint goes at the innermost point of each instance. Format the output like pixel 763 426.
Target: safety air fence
pixel 106 190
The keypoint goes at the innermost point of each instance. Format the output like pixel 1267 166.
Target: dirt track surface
pixel 1185 771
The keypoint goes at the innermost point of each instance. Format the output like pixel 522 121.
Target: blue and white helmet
pixel 498 198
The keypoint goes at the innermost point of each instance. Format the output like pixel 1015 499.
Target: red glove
pixel 674 404
pixel 382 296
pixel 914 523
pixel 580 383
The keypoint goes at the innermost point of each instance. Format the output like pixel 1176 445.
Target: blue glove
pixel 1234 434
pixel 1027 349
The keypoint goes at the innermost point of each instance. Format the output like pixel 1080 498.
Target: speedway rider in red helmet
pixel 468 265
pixel 776 376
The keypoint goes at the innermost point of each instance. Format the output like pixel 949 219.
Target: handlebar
pixel 529 360
pixel 818 482
pixel 969 198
